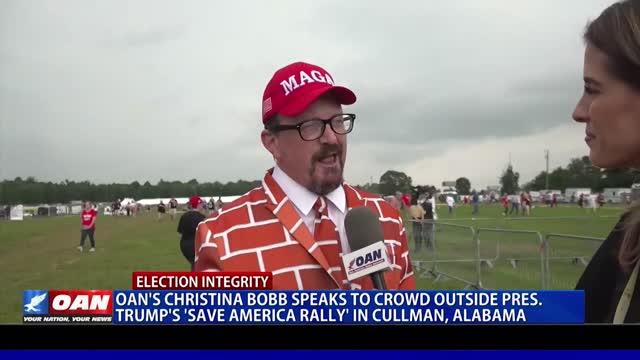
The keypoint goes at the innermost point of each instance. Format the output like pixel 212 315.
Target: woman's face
pixel 610 109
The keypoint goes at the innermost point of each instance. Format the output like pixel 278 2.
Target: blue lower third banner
pixel 353 307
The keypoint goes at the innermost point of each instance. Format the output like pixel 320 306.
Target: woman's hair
pixel 616 32
pixel 629 252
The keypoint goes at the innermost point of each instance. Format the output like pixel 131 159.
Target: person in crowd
pixel 451 202
pixel 406 201
pixel 187 226
pixel 593 203
pixel 417 216
pixel 173 208
pixel 515 204
pixel 88 223
pixel 116 207
pixel 610 111
pixel 162 209
pixel 527 203
pixel 475 200
pixel 505 204
pixel 429 215
pixel 394 202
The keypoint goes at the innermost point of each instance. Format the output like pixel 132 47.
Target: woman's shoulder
pixel 618 228
pixel 611 243
pixel 602 276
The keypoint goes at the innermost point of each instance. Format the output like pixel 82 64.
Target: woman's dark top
pixel 603 282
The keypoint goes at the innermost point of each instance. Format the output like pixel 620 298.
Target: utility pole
pixel 546 183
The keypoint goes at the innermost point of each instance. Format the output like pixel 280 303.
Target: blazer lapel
pixel 354 200
pixel 283 209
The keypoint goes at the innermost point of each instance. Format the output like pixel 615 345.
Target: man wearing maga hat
pixel 293 225
pixel 187 228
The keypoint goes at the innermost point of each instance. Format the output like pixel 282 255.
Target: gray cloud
pixel 123 91
pixel 154 36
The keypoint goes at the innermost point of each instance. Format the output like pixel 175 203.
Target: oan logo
pixel 80 302
pixel 367 260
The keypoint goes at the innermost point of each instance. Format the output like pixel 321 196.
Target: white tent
pixel 124 202
pixel 17 213
pixel 185 200
pixel 62 209
pixel 224 199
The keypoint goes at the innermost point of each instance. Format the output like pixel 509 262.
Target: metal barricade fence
pixel 566 257
pixel 451 252
pixel 510 259
pixel 492 258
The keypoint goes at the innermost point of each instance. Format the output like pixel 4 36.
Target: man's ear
pixel 270 142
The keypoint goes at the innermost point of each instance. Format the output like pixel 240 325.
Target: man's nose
pixel 329 136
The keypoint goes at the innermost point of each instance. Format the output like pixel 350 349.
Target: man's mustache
pixel 326 151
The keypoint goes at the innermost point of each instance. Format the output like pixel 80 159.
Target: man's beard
pixel 334 178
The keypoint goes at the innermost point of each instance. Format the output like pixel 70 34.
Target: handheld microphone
pixel 368 253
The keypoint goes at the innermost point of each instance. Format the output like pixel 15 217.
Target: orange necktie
pixel 328 238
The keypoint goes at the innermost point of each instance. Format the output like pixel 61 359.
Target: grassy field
pixel 40 253
pixel 511 247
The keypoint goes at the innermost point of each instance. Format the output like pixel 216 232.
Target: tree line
pixel 579 172
pixel 32 191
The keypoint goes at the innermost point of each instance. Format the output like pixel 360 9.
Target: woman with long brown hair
pixel 610 109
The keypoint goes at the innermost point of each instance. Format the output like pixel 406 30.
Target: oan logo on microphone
pixel 366 261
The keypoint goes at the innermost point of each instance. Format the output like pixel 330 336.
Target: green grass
pixel 456 249
pixel 40 253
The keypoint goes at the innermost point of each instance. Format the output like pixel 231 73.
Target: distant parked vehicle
pixel 635 192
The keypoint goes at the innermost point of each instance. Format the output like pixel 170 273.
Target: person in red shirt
pixel 505 204
pixel 88 218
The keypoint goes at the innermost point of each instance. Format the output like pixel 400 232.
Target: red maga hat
pixel 195 201
pixel 296 86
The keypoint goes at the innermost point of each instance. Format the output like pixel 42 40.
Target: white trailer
pixel 616 195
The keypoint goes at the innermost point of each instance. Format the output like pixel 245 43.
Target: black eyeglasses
pixel 313 129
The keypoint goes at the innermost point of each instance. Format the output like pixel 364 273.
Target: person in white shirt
pixel 450 203
pixel 433 206
pixel 593 203
pixel 515 204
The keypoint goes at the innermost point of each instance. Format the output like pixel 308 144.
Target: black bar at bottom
pixel 320 337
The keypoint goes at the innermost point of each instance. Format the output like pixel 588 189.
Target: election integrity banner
pixel 246 298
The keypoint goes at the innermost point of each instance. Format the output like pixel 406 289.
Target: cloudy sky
pixel 117 91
